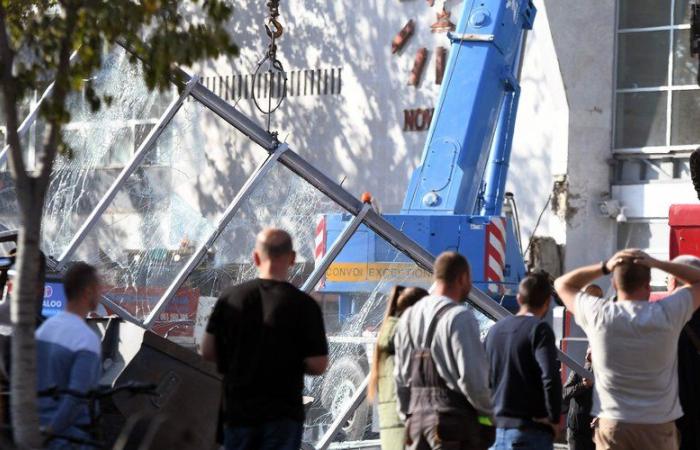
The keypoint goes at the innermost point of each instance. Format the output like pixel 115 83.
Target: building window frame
pixel 669 88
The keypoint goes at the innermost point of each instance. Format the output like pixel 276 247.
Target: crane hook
pixel 274 29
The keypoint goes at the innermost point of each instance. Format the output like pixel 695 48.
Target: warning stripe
pixel 495 254
pixel 320 241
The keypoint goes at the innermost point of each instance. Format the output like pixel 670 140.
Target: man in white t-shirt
pixel 634 346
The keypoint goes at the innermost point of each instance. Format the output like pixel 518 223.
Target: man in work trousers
pixel 441 369
pixel 264 335
pixel 688 368
pixel 634 344
pixel 525 383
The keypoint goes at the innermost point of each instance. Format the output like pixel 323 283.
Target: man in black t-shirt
pixel 264 335
pixel 524 375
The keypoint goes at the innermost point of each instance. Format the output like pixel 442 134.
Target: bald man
pixel 264 336
pixel 688 368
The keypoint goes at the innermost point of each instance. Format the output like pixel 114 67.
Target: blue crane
pixel 455 196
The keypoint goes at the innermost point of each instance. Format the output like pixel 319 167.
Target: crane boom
pixel 475 115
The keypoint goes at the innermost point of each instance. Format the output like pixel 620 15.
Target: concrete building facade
pixel 608 113
pixel 608 116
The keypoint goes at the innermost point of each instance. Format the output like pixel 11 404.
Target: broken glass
pixel 282 199
pixel 9 209
pixel 165 210
pixel 353 296
pixel 101 144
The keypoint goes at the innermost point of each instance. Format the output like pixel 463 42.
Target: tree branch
pixel 9 89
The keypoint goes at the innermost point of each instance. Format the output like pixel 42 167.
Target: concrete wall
pixel 586 62
pixel 358 136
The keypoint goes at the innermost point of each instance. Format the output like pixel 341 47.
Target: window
pixel 657 99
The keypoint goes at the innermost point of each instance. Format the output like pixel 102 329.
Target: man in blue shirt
pixel 525 383
pixel 69 357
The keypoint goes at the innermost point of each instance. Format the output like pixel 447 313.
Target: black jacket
pixel 580 400
pixel 688 389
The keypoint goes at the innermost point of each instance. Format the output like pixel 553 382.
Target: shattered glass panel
pixel 282 199
pixel 166 209
pixel 9 209
pixel 102 143
pixel 353 298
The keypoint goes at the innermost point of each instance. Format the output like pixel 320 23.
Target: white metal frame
pixel 245 192
pixel 126 172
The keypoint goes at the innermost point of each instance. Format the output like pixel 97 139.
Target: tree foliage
pixel 37 39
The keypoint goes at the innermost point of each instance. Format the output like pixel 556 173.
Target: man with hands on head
pixel 634 346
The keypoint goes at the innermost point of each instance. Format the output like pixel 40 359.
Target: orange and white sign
pixel 374 272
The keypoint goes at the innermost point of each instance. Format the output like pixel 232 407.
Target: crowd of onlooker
pixel 435 383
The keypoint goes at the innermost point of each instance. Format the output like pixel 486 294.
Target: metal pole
pixel 126 172
pixel 236 118
pixel 33 113
pixel 335 249
pixel 227 216
pixel 118 310
pixel 330 188
pixel 354 403
pixel 496 311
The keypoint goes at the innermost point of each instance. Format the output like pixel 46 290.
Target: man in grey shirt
pixel 441 367
pixel 634 344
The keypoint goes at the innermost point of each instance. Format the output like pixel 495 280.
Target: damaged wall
pixel 586 62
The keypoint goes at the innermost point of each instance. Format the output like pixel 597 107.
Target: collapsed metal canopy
pixel 171 223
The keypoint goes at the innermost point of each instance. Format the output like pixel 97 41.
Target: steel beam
pixel 126 172
pixel 354 445
pixel 354 403
pixel 496 311
pixel 308 172
pixel 335 249
pixel 330 188
pixel 251 183
pixel 119 310
pixel 236 118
